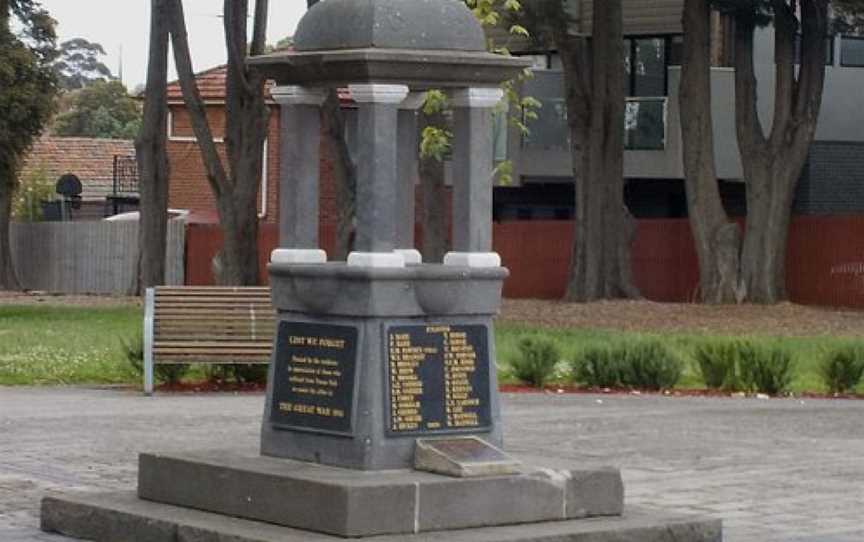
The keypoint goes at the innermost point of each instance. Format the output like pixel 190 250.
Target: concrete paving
pixel 773 470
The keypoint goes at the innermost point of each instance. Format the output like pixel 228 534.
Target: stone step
pixel 354 503
pixel 122 517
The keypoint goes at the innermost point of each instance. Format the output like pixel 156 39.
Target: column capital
pixel 413 102
pixel 479 97
pixel 380 94
pixel 297 95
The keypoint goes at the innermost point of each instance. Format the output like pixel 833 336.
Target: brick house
pixel 189 187
pixel 91 160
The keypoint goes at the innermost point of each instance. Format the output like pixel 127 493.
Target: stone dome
pixel 389 24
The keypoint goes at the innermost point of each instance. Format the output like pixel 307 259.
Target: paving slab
pixel 783 470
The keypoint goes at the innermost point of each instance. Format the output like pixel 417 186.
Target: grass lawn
pixel 52 345
pixel 55 345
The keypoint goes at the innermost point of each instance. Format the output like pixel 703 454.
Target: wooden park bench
pixel 206 325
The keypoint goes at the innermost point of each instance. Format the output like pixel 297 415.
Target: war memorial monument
pixel 382 416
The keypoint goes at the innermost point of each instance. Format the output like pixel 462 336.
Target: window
pixel 549 130
pixel 645 64
pixel 645 124
pixel 852 51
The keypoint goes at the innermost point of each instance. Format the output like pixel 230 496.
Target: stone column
pixel 299 168
pixel 377 175
pixel 408 164
pixel 473 156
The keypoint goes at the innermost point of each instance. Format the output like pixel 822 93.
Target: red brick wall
pixel 189 187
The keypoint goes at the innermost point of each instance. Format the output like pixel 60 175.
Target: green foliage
pixel 435 143
pixel 33 188
pixel 650 365
pixel 27 87
pixel 537 361
pixel 841 369
pixel 103 109
pixel 79 64
pixel 717 362
pixel 643 364
pixel 766 369
pixel 133 351
pixel 601 367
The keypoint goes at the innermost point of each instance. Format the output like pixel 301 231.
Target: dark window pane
pixel 649 66
pixel 852 52
pixel 549 130
pixel 645 124
pixel 628 67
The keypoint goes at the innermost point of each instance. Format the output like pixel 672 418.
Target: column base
pixel 472 259
pixel 412 256
pixel 376 259
pixel 298 256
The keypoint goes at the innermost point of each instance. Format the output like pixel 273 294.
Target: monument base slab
pixel 352 503
pixel 120 517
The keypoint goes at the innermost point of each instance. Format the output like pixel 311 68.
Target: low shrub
pixel 536 362
pixel 650 365
pixel 133 350
pixel 765 369
pixel 641 364
pixel 599 368
pixel 717 363
pixel 841 369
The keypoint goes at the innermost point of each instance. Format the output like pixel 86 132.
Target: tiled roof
pixel 91 160
pixel 211 85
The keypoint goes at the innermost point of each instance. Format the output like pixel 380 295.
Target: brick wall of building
pixel 833 180
pixel 189 186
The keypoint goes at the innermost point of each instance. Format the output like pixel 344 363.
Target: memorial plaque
pixel 463 457
pixel 313 387
pixel 437 378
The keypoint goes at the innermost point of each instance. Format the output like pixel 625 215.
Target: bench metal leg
pixel 149 308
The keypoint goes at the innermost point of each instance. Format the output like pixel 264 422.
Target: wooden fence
pixel 87 257
pixel 825 264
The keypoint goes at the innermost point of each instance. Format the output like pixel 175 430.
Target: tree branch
pixel 216 174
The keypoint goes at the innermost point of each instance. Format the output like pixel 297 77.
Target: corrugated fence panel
pixel 825 264
pixel 87 257
pixel 825 261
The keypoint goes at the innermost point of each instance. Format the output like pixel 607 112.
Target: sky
pixel 124 25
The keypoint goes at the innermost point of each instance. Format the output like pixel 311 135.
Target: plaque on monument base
pixel 463 457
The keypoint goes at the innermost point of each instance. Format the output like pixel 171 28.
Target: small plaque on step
pixel 463 457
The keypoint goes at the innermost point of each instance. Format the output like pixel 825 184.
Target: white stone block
pixel 472 259
pixel 476 97
pixel 412 256
pixel 376 259
pixel 298 256
pixel 378 93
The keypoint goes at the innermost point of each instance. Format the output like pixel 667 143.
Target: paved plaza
pixel 778 470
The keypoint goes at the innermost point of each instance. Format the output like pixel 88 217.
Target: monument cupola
pixel 389 24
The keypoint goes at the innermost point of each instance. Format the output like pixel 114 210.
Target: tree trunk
pixel 246 122
pixel 436 198
pixel 8 171
pixel 8 277
pixel 594 75
pixel 150 147
pixel 344 173
pixel 773 164
pixel 718 241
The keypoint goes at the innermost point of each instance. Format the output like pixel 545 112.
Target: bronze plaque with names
pixel 437 379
